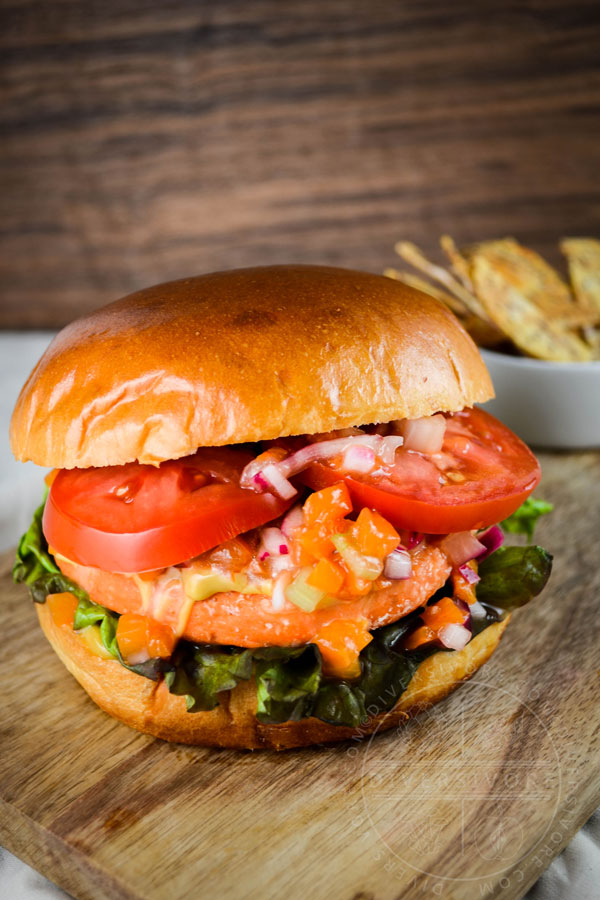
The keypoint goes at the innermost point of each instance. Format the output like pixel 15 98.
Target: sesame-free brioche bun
pixel 238 356
pixel 149 707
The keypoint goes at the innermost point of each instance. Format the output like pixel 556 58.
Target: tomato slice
pixel 134 518
pixel 482 474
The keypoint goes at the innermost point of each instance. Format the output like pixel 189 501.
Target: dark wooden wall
pixel 148 140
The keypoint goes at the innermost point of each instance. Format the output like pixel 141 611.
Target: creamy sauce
pixel 184 615
pixel 145 588
pixel 179 587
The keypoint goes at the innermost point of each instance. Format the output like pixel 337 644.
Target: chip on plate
pixel 527 272
pixel 583 257
pixel 512 309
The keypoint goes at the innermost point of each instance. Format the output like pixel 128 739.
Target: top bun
pixel 239 356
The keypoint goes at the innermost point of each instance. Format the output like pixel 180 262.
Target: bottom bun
pixel 149 707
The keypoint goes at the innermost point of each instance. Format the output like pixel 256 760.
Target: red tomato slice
pixel 134 518
pixel 482 474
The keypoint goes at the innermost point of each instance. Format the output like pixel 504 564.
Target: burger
pixel 272 516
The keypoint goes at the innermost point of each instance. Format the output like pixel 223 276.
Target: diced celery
pixel 305 595
pixel 201 586
pixel 367 567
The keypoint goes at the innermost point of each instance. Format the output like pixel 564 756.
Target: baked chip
pixel 583 257
pixel 411 254
pixel 527 272
pixel 459 264
pixel 502 291
pixel 426 287
pixel 516 313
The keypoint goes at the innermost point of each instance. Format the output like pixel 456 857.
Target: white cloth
pixel 574 875
pixel 21 484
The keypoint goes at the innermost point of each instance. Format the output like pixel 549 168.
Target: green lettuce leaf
pixel 511 576
pixel 200 673
pixel 90 613
pixel 289 680
pixel 386 673
pixel 524 519
pixel 33 560
pixel 35 566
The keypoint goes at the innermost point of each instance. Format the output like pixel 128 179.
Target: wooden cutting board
pixel 471 799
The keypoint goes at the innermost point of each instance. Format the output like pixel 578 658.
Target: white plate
pixel 548 404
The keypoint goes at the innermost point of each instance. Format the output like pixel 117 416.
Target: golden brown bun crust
pixel 239 356
pixel 150 708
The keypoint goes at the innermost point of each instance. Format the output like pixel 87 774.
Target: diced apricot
pixel 140 635
pixel 421 635
pixel 301 557
pixel 329 504
pixel 462 588
pixel 374 534
pixel 132 634
pixel 62 608
pixel 355 586
pixel 312 543
pixel 340 643
pixel 233 555
pixel 161 640
pixel 49 478
pixel 327 576
pixel 444 612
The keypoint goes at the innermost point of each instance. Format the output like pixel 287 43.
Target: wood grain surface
pixel 471 799
pixel 143 141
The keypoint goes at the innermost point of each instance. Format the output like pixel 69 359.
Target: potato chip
pixel 421 285
pixel 459 264
pixel 502 291
pixel 515 313
pixel 412 254
pixel 526 272
pixel 576 317
pixel 583 257
pixel 483 332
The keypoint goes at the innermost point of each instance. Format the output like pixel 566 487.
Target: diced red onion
pixel 455 637
pixel 280 564
pixel 273 539
pixel 261 481
pixel 276 474
pixel 292 520
pixel 469 574
pixel 278 598
pixel 327 449
pixel 461 547
pixel 313 453
pixel 136 659
pixel 414 539
pixel 280 484
pixel 425 435
pixel 491 540
pixel 477 610
pixel 387 448
pixel 398 564
pixel 358 459
pixel 465 610
pixel 264 555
